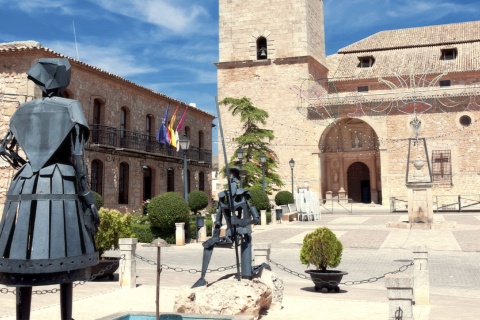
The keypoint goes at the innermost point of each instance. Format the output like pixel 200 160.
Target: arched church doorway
pixel 358 177
pixel 350 161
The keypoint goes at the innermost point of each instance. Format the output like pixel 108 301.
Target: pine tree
pixel 254 141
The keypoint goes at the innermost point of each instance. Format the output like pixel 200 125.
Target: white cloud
pixel 177 16
pixel 112 59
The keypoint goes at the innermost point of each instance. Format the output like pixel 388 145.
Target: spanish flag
pixel 171 131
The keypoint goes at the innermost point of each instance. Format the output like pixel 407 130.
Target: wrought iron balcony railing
pixel 138 141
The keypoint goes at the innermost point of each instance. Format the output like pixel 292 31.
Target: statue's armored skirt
pixel 43 228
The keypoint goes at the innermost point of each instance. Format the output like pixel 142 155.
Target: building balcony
pixel 140 142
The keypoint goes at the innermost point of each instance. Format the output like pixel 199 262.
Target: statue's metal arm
pixel 8 153
pixel 91 214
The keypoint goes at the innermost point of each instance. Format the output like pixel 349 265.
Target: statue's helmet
pixel 52 75
pixel 235 172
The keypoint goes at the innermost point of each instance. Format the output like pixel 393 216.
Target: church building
pixel 357 120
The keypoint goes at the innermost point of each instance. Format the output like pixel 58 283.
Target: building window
pixel 97 120
pixel 366 62
pixel 465 121
pixel 201 181
pixel 261 48
pixel 187 132
pixel 123 184
pixel 442 166
pixel 148 133
pixel 123 127
pixel 96 177
pixel 362 89
pixel 170 180
pixel 449 54
pixel 445 83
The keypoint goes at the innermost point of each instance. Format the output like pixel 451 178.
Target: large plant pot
pixel 105 268
pixel 326 281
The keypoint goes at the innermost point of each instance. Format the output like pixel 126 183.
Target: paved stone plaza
pixel 370 251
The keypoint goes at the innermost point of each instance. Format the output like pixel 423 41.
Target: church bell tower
pixel 265 49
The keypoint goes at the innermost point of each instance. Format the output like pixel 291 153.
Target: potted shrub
pixel 113 226
pixel 283 197
pixel 322 249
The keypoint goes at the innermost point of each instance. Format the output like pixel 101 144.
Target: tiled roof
pixel 408 51
pixel 418 37
pixel 33 45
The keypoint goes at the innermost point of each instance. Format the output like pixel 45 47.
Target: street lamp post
pixel 184 145
pixel 292 164
pixel 263 159
pixel 240 157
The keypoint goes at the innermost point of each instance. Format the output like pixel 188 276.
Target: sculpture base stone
pixel 420 202
pixel 229 296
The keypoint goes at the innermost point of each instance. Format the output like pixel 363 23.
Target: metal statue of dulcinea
pixel 238 230
pixel 49 219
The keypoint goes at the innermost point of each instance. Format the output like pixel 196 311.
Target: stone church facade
pixel 127 166
pixel 348 120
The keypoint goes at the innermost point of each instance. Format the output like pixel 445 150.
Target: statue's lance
pixel 230 196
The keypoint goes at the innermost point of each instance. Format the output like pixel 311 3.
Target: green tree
pixel 254 141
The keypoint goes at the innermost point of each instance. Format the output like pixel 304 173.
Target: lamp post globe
pixel 292 164
pixel 184 145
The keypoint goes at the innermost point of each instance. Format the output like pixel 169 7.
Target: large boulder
pixel 228 296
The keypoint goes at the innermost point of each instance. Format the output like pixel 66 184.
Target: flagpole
pixel 230 196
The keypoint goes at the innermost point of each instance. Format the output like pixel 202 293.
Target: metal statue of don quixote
pixel 49 219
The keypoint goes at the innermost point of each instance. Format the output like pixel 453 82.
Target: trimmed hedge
pixel 283 197
pixel 197 200
pixel 259 199
pixel 164 211
pixel 113 225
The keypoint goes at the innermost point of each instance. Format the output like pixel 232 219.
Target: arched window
pixel 187 132
pixel 96 177
pixel 201 181
pixel 170 180
pixel 147 183
pixel 261 48
pixel 123 183
pixel 97 120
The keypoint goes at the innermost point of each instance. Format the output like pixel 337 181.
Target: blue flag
pixel 162 131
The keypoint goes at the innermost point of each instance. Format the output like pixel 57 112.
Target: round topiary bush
pixel 283 197
pixel 322 249
pixel 259 199
pixel 164 211
pixel 197 200
pixel 98 200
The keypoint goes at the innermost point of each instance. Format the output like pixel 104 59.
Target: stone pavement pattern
pixel 370 251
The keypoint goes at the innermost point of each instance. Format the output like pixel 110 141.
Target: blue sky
pixel 170 45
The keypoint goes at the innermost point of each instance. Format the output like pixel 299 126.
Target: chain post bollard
pixel 400 295
pixel 421 283
pixel 180 233
pixel 261 253
pixel 128 268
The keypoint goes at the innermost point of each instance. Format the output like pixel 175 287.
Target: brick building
pixel 346 119
pixel 126 164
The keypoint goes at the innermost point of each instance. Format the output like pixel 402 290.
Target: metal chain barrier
pixel 347 283
pixel 179 269
pixel 75 284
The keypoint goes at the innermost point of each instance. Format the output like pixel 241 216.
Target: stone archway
pixel 358 180
pixel 343 144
